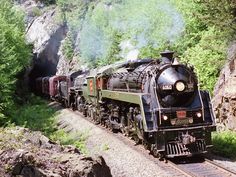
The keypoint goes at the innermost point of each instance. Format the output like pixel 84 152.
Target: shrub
pixel 36 115
pixel 225 144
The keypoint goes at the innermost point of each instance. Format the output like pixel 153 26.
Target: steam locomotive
pixel 157 102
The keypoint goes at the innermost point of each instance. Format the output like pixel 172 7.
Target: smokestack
pixel 168 55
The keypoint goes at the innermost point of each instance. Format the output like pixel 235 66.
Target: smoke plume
pixel 139 24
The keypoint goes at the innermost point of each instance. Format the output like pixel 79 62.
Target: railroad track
pixel 190 167
pixel 201 167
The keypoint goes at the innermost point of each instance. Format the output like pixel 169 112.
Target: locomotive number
pixel 166 87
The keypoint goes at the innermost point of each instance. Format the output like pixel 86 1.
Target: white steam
pixel 128 51
pixel 149 23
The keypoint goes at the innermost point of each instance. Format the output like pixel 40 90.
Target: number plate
pixel 182 121
pixel 166 87
pixel 181 114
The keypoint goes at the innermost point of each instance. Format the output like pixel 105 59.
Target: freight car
pixel 157 102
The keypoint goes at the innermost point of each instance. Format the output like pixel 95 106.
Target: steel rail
pixel 220 167
pixel 203 169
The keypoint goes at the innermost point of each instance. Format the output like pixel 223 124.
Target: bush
pixel 36 115
pixel 225 144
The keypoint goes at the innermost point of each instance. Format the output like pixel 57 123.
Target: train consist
pixel 157 102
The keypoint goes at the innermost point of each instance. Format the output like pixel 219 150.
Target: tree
pixel 14 53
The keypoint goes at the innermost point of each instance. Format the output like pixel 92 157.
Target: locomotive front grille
pixel 174 149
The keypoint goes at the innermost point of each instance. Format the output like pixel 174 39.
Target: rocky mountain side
pixel 224 100
pixel 46 32
pixel 27 153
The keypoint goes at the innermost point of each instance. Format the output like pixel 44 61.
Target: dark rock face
pixel 46 36
pixel 224 100
pixel 30 154
pixel 46 33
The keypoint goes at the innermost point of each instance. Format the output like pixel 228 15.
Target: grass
pixel 225 144
pixel 78 139
pixel 38 116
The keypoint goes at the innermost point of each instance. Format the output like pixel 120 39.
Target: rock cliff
pixel 46 32
pixel 224 100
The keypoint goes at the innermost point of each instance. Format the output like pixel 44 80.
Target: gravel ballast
pixel 123 160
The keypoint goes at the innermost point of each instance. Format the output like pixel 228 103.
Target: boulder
pixel 30 154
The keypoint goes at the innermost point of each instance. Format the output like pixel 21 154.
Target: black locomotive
pixel 157 102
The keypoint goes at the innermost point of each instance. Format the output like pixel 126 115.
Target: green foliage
pixel 77 139
pixel 74 12
pixel 38 116
pixel 218 13
pixel 14 54
pixel 225 144
pixel 98 39
pixel 108 23
pixel 68 47
pixel 208 57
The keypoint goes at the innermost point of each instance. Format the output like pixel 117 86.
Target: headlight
pixel 180 86
pixel 199 114
pixel 165 117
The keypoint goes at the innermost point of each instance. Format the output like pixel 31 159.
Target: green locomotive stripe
pixel 123 96
pixel 129 97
